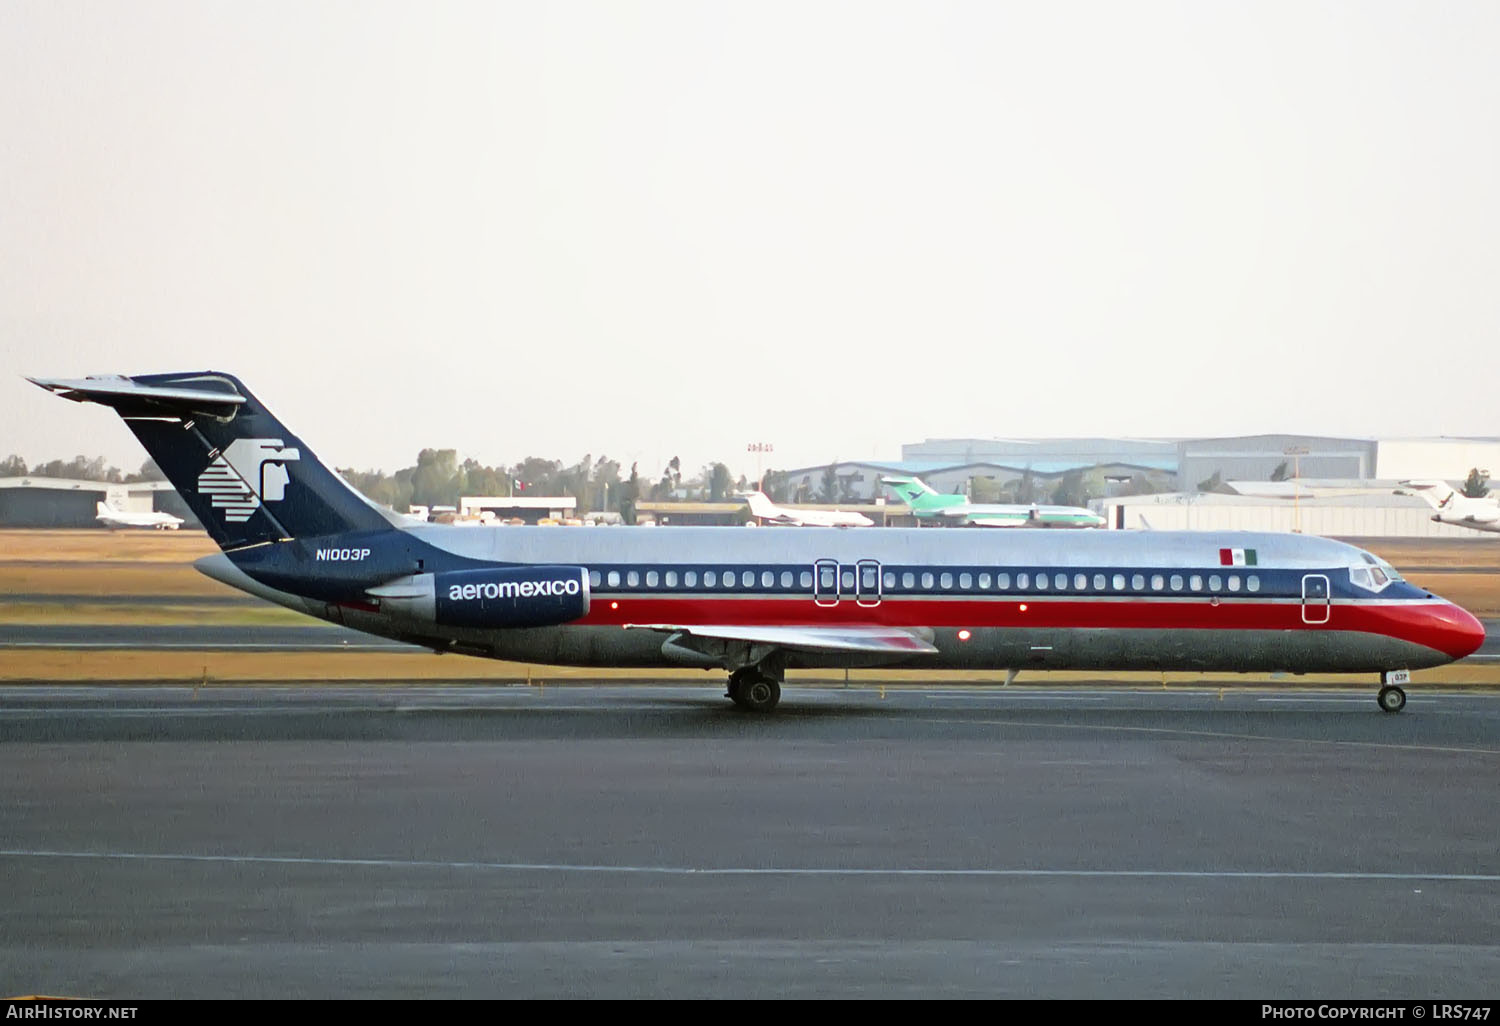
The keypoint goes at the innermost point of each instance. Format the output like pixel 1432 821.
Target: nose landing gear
pixel 1392 698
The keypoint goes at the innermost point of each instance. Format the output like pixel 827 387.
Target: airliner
pixel 927 504
pixel 113 518
pixel 757 603
pixel 766 511
pixel 1451 506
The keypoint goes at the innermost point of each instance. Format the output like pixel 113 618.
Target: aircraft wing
pixel 852 638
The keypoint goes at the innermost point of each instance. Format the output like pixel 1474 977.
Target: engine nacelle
pixel 518 596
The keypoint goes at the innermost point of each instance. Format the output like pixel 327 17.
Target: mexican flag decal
pixel 1236 557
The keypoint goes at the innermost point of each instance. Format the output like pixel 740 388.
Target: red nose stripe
pixel 1437 625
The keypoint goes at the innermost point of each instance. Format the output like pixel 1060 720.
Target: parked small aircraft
pixel 1450 506
pixel 927 504
pixel 767 511
pixel 113 518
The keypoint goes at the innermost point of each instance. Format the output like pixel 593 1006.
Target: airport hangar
pixel 35 501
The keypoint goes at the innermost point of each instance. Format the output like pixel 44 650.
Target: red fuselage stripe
pixel 1437 625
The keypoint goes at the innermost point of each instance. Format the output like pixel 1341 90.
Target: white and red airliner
pixel 756 603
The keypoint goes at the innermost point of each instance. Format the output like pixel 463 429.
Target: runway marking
pixel 300 646
pixel 1017 697
pixel 1223 735
pixel 564 867
pixel 1326 701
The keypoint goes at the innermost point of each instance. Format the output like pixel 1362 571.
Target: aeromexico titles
pixel 755 603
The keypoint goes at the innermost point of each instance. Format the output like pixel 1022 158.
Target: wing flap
pixel 852 638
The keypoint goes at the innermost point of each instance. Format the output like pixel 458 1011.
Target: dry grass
pixel 257 614
pixel 92 546
pixel 108 579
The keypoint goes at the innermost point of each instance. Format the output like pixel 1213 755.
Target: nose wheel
pixel 1392 699
pixel 754 690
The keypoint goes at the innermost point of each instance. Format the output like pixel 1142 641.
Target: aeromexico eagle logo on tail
pixel 249 472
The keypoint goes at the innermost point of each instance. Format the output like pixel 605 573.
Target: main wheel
pixel 1392 699
pixel 738 681
pixel 760 694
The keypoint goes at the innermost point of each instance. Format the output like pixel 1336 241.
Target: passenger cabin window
pixel 690 578
pixel 1195 582
pixel 595 578
pixel 1098 582
pixel 965 581
pixel 946 581
pixel 827 579
pixel 1060 582
pixel 846 580
pixel 1002 582
pixel 1081 581
pixel 1138 582
pixel 1158 582
pixel 651 578
pixel 867 579
pixel 1214 583
pixel 1119 582
pixel 889 580
pixel 1176 582
pixel 984 582
pixel 927 582
pixel 1234 583
pixel 614 578
pixel 786 580
pixel 1023 581
pixel 908 581
pixel 747 579
pixel 1252 583
pixel 767 579
pixel 671 578
pixel 710 579
pixel 804 579
pixel 1041 581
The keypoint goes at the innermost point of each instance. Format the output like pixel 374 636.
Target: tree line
pixel 80 468
pixel 439 478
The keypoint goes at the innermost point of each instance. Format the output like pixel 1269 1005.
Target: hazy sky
pixel 647 229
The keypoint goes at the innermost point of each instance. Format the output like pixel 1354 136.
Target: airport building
pixel 860 481
pixel 530 509
pixel 34 501
pixel 1330 509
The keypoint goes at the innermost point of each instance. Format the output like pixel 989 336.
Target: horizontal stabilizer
pixel 210 395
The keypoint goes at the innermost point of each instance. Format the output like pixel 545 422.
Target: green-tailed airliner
pixel 957 510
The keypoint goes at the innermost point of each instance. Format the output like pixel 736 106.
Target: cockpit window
pixel 1371 578
pixel 1380 568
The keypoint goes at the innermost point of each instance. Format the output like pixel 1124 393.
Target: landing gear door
pixel 826 582
pixel 1315 599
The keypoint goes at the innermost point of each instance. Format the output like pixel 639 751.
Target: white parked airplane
pixel 113 518
pixel 764 509
pixel 1450 506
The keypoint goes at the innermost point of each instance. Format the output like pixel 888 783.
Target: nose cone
pixel 1453 630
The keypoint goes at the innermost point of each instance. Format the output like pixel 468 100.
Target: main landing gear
pixel 753 689
pixel 1391 698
